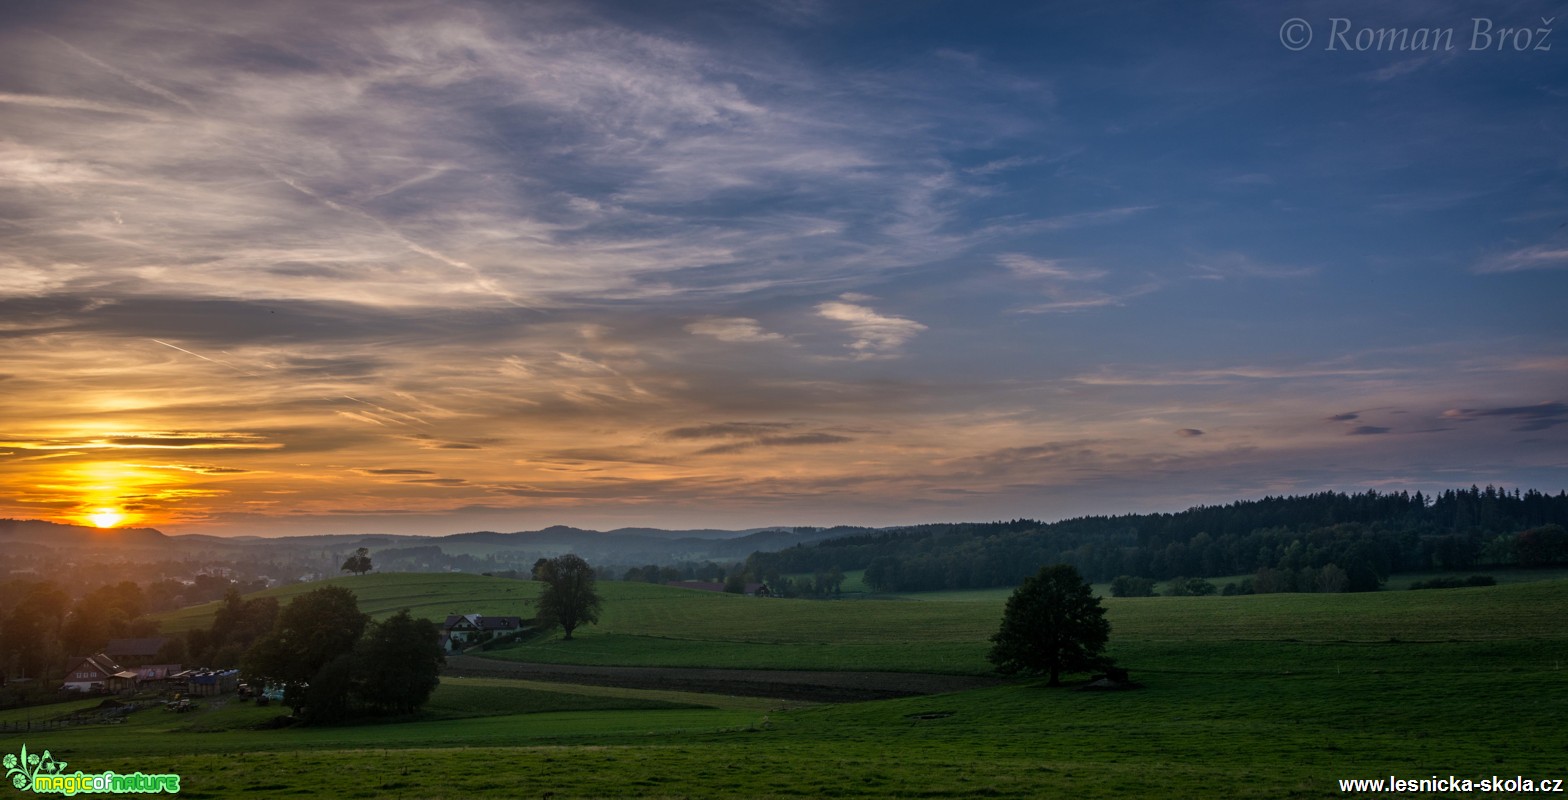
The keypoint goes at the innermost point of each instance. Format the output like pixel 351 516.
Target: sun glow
pixel 106 517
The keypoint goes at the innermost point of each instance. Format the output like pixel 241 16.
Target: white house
pixel 461 630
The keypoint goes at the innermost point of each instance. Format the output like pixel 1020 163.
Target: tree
pixel 398 663
pixel 316 628
pixel 1543 546
pixel 1053 623
pixel 1132 586
pixel 359 563
pixel 568 598
pixel 238 625
pixel 30 635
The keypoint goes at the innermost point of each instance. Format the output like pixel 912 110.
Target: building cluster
pixel 128 665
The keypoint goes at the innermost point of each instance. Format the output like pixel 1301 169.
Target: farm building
pixel 463 629
pixel 98 673
pixel 208 683
pixel 135 652
pixel 156 672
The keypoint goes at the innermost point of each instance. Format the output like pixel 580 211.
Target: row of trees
pixel 684 571
pixel 41 626
pixel 1366 536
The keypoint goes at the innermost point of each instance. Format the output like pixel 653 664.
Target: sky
pixel 287 268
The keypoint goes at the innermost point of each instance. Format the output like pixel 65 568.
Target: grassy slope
pixel 657 626
pixel 650 625
pixel 1265 696
pixel 432 595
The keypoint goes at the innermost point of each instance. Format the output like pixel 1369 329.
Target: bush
pixel 1189 587
pixel 1129 586
pixel 1455 583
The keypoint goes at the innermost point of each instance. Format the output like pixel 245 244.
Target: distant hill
pixel 58 534
pixel 623 546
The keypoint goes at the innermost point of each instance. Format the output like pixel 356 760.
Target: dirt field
pixel 820 687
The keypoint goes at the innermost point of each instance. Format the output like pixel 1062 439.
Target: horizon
pixel 1429 497
pixel 496 266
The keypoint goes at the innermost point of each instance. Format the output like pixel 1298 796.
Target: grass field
pixel 432 595
pixel 1256 696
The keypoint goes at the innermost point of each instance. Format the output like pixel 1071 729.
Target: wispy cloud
pixel 796 440
pixel 1526 258
pixel 159 440
pixel 1368 430
pixel 876 335
pixel 1025 266
pixel 733 329
pixel 1538 417
pixel 1240 265
pixel 1086 218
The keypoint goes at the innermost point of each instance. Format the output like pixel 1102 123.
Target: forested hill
pixel 1363 537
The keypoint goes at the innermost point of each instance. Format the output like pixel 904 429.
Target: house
pixel 97 673
pixel 460 630
pixel 135 652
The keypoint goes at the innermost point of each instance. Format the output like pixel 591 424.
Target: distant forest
pixel 1321 542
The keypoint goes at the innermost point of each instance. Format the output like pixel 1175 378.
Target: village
pixel 130 673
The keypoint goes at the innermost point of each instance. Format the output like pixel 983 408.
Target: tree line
pixel 1333 540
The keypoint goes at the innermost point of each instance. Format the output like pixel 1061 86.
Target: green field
pixel 1254 696
pixel 432 595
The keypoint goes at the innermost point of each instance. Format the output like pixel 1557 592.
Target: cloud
pixel 1030 267
pixel 1345 417
pixel 375 158
pixel 202 469
pixel 1239 265
pixel 1367 430
pixel 1189 432
pixel 394 471
pixel 749 435
pixel 1532 418
pixel 1086 218
pixel 776 441
pixel 1004 164
pixel 876 335
pixel 1064 299
pixel 726 430
pixel 1528 258
pixel 164 440
pixel 1199 377
pixel 732 329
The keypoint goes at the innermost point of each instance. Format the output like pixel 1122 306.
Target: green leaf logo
pixel 16 768
pixel 22 768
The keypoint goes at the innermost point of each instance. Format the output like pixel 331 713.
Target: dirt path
pixel 821 687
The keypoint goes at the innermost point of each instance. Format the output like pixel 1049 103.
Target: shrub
pixel 1130 586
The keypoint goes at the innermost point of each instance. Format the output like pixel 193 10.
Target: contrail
pixel 204 358
pixel 385 410
pixel 132 79
pixel 481 280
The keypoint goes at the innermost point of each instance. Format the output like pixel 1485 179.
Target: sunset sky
pixel 284 268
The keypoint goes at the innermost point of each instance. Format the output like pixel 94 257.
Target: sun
pixel 106 517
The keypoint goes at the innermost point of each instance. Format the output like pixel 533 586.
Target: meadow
pixel 1254 696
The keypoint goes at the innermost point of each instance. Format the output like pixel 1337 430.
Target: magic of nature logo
pixel 43 774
